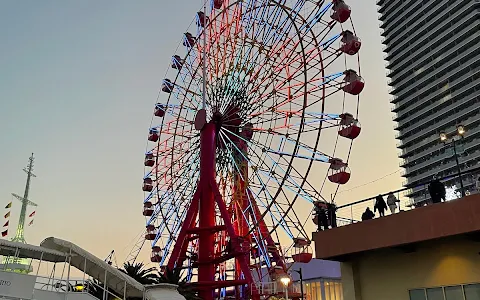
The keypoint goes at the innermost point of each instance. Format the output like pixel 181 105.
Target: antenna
pixel 19 236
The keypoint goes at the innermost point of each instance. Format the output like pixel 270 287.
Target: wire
pixel 373 181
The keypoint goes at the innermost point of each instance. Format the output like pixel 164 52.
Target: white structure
pixel 90 278
pixel 163 291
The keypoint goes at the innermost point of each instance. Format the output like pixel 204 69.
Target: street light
pixel 444 139
pixel 286 281
pixel 299 272
pixel 460 130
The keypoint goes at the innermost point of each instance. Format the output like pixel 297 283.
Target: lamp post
pixel 299 272
pixel 285 280
pixel 444 139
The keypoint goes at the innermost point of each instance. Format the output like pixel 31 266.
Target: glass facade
pixel 322 289
pixel 457 292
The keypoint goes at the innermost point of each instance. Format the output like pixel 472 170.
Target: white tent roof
pixel 21 250
pixel 95 267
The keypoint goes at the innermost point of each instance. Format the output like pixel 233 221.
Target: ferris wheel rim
pixel 292 159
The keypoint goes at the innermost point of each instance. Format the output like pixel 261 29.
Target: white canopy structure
pixel 83 260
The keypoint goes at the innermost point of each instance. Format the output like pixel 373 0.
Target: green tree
pixel 174 276
pixel 138 272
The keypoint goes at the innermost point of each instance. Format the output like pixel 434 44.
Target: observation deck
pixel 403 230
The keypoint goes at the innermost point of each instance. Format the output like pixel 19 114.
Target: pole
pixel 286 292
pixel 301 282
pixel 462 189
pixel 204 67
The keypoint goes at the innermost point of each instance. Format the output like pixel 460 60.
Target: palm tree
pixel 95 288
pixel 174 276
pixel 138 272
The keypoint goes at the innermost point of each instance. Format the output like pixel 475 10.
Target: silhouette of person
pixel 437 190
pixel 367 214
pixel 380 205
pixel 392 202
pixel 321 215
pixel 332 214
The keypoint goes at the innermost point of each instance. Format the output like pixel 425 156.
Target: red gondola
pixel 148 209
pixel 217 4
pixel 353 83
pixel 147 184
pixel 151 233
pixel 302 251
pixel 156 255
pixel 189 40
pixel 167 86
pixel 149 160
pixel 341 11
pixel 201 19
pixel 339 171
pixel 153 135
pixel 350 43
pixel 349 126
pixel 159 110
pixel 177 62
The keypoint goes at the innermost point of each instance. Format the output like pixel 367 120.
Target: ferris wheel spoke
pixel 270 204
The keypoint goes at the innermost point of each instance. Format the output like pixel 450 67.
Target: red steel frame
pixel 203 206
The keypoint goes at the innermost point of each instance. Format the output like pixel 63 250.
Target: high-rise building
pixel 433 65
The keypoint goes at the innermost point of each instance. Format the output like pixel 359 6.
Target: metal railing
pixel 352 212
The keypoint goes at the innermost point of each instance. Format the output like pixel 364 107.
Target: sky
pixel 78 81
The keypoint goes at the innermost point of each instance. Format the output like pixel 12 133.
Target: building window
pixel 454 293
pixel 323 289
pixel 472 291
pixel 418 294
pixel 457 292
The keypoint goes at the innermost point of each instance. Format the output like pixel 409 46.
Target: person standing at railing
pixel 367 214
pixel 392 202
pixel 321 215
pixel 332 214
pixel 380 205
pixel 437 190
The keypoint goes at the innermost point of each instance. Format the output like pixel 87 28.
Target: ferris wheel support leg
pixel 206 212
pixel 180 248
pixel 242 259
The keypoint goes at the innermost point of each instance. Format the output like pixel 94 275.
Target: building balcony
pixel 432 130
pixel 402 77
pixel 426 115
pixel 393 11
pixel 427 110
pixel 457 217
pixel 430 82
pixel 438 22
pixel 471 123
pixel 416 104
pixel 442 168
pixel 416 13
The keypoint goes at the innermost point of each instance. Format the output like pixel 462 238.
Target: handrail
pixel 407 187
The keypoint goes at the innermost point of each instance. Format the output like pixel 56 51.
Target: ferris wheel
pixel 255 117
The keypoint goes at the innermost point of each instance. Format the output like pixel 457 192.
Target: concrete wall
pixel 391 273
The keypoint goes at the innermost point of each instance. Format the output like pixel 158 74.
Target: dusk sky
pixel 78 82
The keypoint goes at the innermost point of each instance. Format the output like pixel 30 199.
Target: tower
pixel 12 263
pixel 19 235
